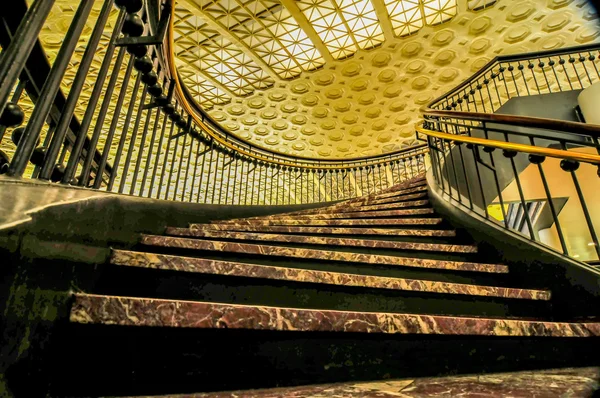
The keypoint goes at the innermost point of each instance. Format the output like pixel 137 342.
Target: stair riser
pixel 227 268
pixel 266 359
pixel 216 289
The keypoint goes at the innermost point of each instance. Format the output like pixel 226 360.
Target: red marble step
pixel 217 267
pixel 342 215
pixel 321 240
pixel 329 255
pixel 565 382
pixel 400 193
pixel 346 208
pixel 438 233
pixel 355 222
pixel 148 312
pixel 389 206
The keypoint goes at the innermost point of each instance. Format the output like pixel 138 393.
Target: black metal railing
pixel 534 176
pixel 105 112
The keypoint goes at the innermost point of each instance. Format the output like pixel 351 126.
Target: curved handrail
pixel 517 120
pixel 510 146
pixel 200 118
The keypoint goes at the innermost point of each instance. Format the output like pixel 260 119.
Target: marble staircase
pixel 370 288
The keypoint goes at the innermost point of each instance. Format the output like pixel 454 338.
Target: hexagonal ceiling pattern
pixel 345 78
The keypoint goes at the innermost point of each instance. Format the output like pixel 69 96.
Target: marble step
pixel 437 233
pixel 355 222
pixel 229 268
pixel 348 215
pixel 320 240
pixel 149 312
pixel 400 194
pixel 353 208
pixel 328 255
pixel 564 382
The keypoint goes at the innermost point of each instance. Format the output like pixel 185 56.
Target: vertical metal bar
pixel 176 192
pixel 172 165
pixel 256 166
pixel 210 162
pixel 247 182
pixel 522 197
pixel 195 174
pixel 552 209
pixel 136 126
pixel 187 165
pixel 87 164
pixel 228 178
pixel 201 177
pixel 91 107
pixel 475 159
pixel 212 201
pixel 51 85
pixel 454 171
pixel 113 125
pixel 164 162
pixel 149 156
pixel 140 154
pixel 464 169
pixel 124 133
pixel 158 152
pixel 15 55
pixel 225 154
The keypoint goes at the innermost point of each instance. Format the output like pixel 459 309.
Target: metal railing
pixel 534 176
pixel 106 111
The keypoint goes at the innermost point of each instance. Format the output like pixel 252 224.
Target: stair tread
pixel 346 208
pixel 327 230
pixel 329 255
pixel 369 221
pixel 136 311
pixel 564 382
pixel 231 268
pixel 321 240
pixel 345 215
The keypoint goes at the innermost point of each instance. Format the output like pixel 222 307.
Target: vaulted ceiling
pixel 343 78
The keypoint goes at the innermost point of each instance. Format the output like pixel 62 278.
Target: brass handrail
pixel 548 152
pixel 179 91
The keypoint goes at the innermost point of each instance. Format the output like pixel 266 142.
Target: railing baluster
pixel 157 157
pixel 15 55
pixel 164 162
pixel 140 153
pixel 51 86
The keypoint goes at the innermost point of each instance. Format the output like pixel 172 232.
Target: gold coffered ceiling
pixel 343 78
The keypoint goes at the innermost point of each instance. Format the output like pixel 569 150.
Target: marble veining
pixel 327 230
pixel 346 215
pixel 130 311
pixel 551 383
pixel 217 267
pixel 329 255
pixel 322 240
pixel 355 222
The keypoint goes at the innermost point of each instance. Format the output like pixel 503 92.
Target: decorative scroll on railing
pixel 535 176
pixel 104 110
